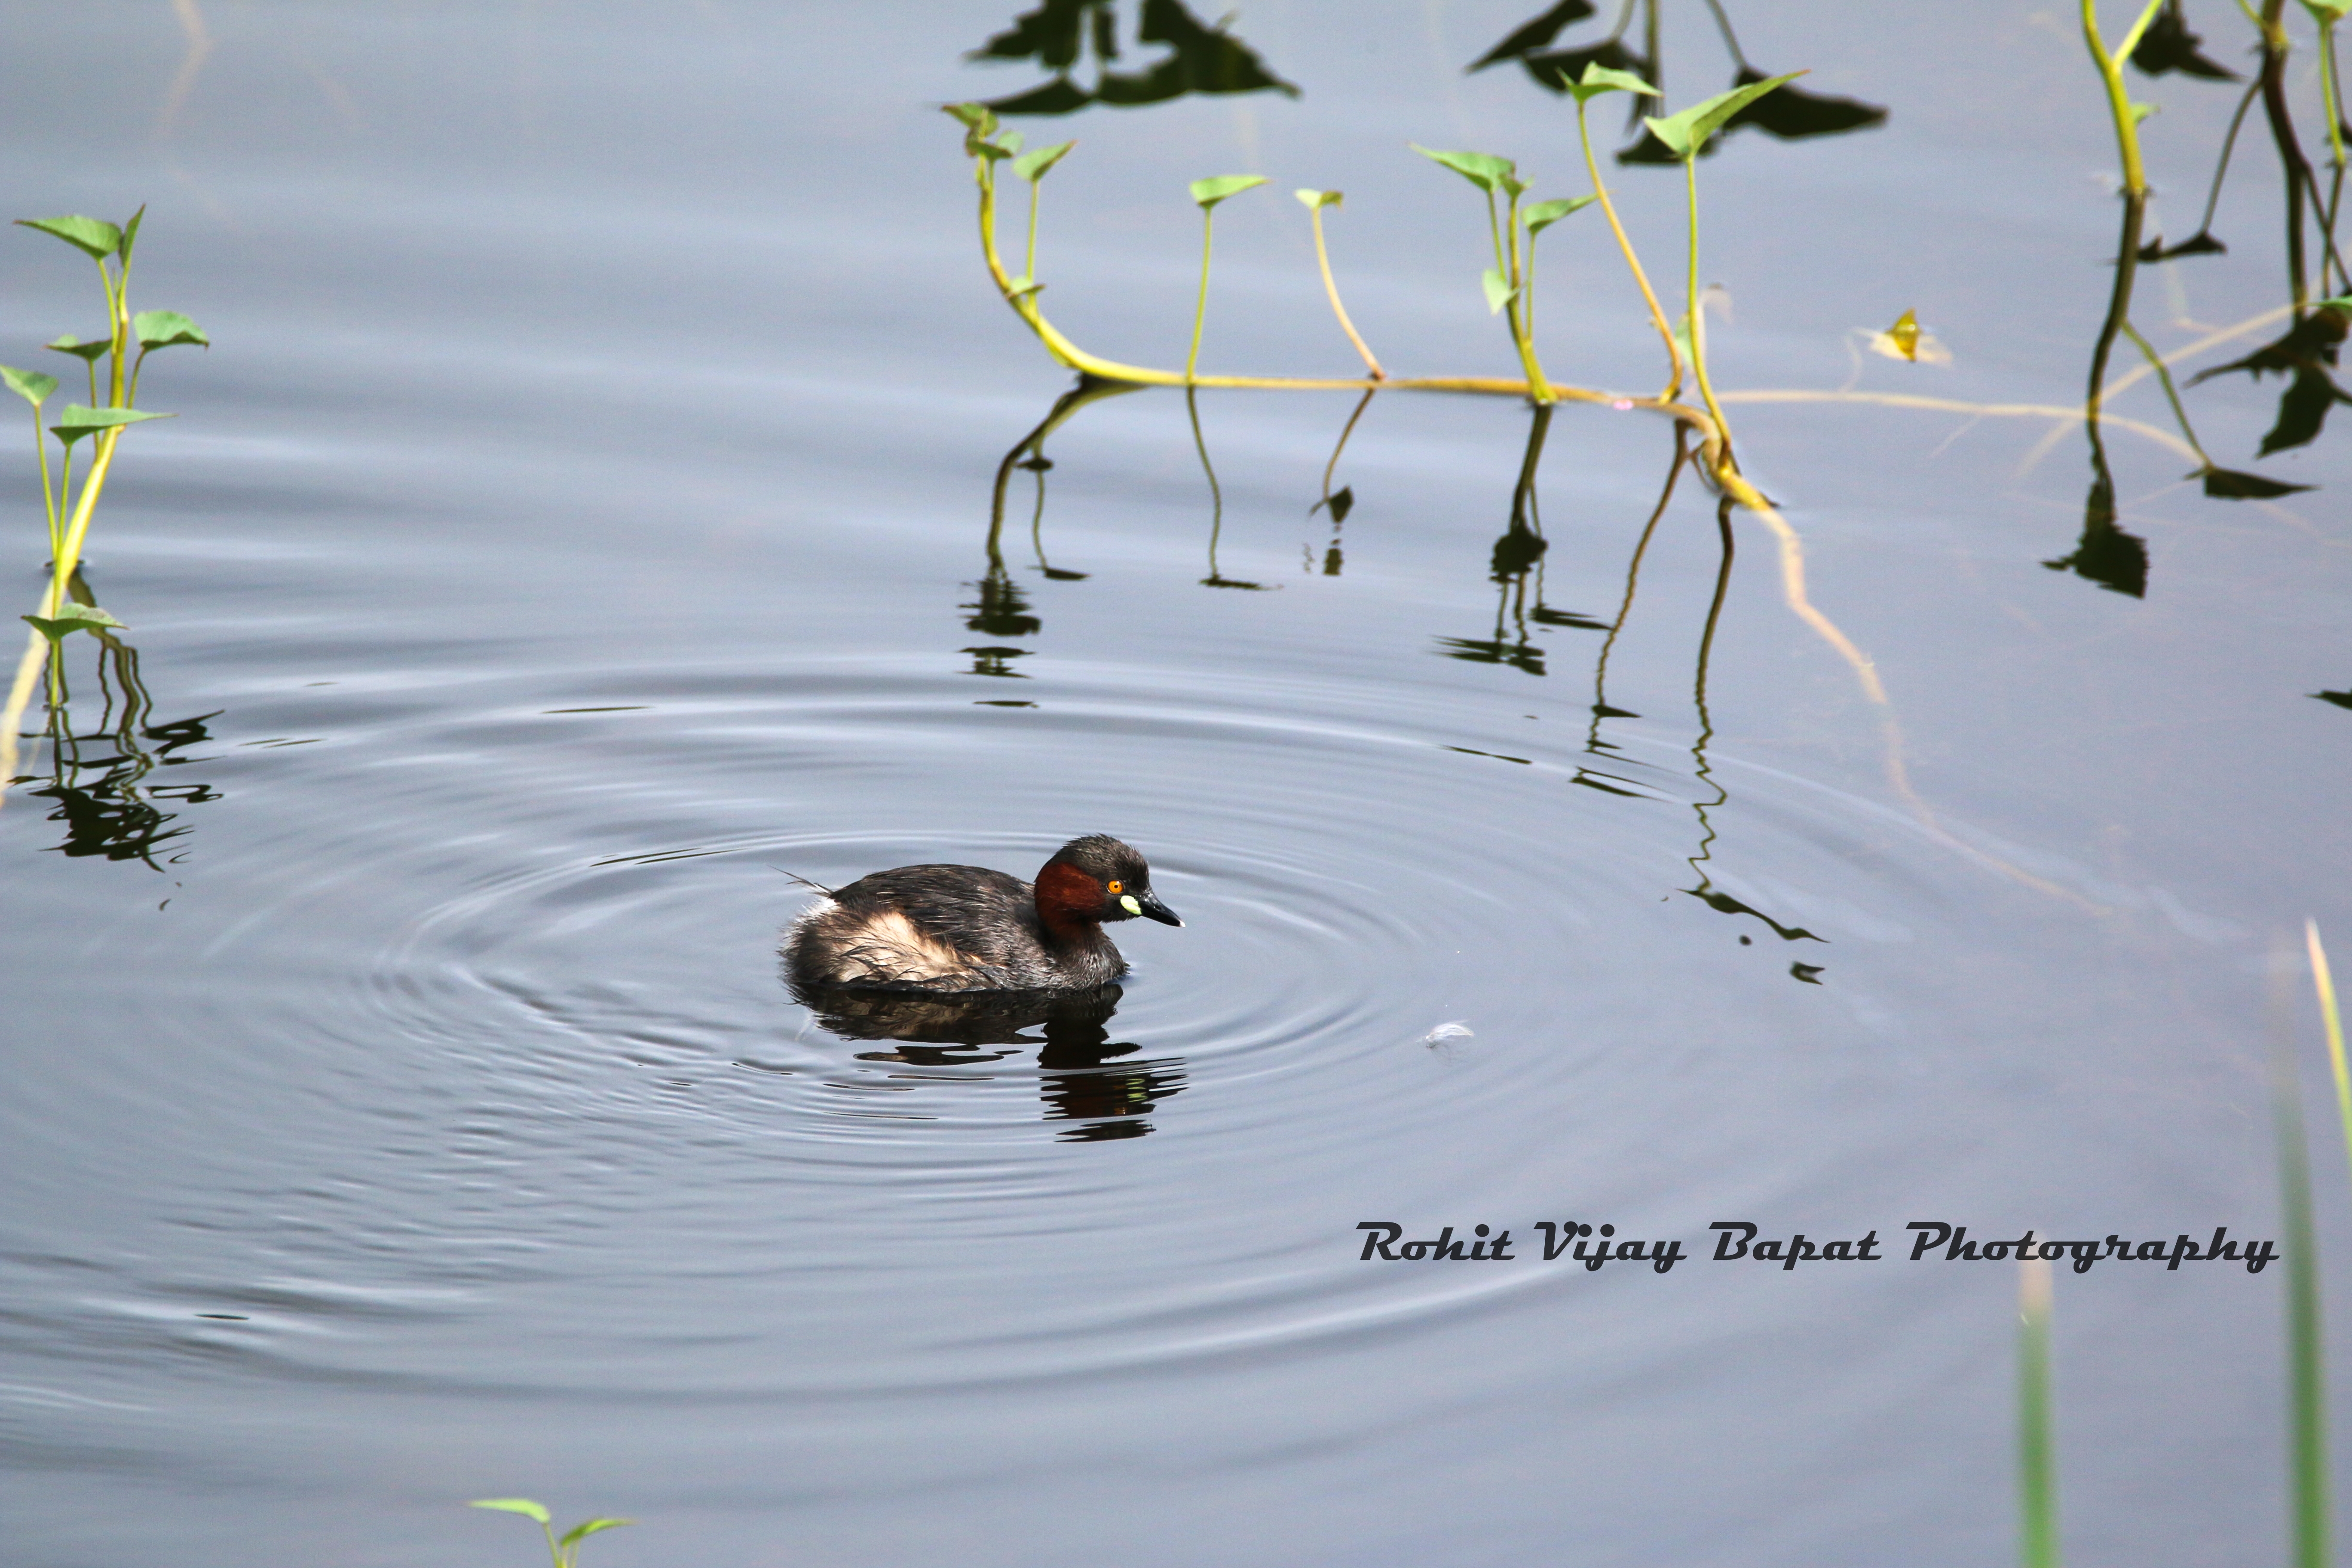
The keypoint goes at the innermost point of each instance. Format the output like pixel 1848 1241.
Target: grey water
pixel 589 507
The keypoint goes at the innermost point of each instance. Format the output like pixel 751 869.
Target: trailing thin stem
pixel 1200 310
pixel 1323 259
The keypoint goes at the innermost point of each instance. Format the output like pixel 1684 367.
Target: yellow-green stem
pixel 1519 313
pixel 1608 210
pixel 1724 462
pixel 1200 310
pixel 1323 259
pixel 1029 269
pixel 2111 72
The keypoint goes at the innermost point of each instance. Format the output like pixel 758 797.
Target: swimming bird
pixel 967 928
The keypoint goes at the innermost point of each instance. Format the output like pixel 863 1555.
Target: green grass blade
pixel 2037 1456
pixel 2306 1358
pixel 2334 1022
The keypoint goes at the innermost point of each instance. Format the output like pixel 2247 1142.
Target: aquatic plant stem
pixel 2333 1021
pixel 1634 262
pixel 1724 461
pixel 1200 310
pixel 1024 305
pixel 1029 265
pixel 2119 104
pixel 1323 261
pixel 1519 310
pixel 2037 1459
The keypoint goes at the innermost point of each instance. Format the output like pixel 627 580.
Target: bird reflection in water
pixel 1078 1081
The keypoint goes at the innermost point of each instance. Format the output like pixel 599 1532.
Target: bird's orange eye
pixel 1118 887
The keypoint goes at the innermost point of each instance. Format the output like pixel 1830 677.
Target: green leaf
pixel 2140 112
pixel 1209 193
pixel 1600 79
pixel 29 385
pixel 588 1527
pixel 980 124
pixel 1483 170
pixel 1687 133
pixel 1011 141
pixel 1499 291
pixel 163 329
pixel 71 618
pixel 94 237
pixel 77 422
pixel 1023 285
pixel 521 1505
pixel 78 348
pixel 131 232
pixel 1032 166
pixel 1314 199
pixel 1543 215
pixel 2325 12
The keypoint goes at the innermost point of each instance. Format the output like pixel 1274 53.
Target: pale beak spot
pixel 1127 901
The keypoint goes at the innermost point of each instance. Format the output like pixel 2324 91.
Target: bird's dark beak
pixel 1154 910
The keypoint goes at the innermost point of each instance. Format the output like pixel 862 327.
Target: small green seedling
pixel 1506 283
pixel 1207 194
pixel 1315 201
pixel 1032 166
pixel 564 1550
pixel 109 411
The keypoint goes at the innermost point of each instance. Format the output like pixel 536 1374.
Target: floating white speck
pixel 1455 1029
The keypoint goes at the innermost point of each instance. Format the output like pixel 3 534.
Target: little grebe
pixel 965 928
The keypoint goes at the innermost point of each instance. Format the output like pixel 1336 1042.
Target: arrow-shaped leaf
pixel 74 617
pixel 77 422
pixel 1032 166
pixel 1543 215
pixel 29 385
pixel 1599 78
pixel 1687 133
pixel 70 344
pixel 1499 291
pixel 1209 193
pixel 588 1527
pixel 94 236
pixel 163 329
pixel 1483 170
pixel 1314 199
pixel 521 1505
